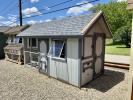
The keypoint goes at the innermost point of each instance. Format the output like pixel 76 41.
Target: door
pixel 43 61
pixel 98 53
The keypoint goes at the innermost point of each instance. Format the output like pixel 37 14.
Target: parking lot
pixel 18 82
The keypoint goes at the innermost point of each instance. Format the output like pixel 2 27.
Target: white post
pixel 131 66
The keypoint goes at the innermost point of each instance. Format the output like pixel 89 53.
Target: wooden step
pixel 117 65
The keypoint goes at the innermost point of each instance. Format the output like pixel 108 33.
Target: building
pixel 70 49
pixel 14 48
pixel 3 39
pixel 130 87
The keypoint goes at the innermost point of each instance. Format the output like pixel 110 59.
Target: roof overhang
pixel 15 30
pixel 53 36
pixel 93 21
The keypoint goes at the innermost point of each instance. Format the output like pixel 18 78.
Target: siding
pixel 67 70
pixel 73 61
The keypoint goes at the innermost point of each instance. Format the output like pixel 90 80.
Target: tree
pixel 123 35
pixel 116 15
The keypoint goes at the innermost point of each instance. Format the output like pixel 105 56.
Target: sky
pixel 9 10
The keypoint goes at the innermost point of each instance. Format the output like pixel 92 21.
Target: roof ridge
pixel 67 18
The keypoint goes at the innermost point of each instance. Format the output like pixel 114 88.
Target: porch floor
pixel 18 82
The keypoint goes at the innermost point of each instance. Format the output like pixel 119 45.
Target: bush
pixel 123 35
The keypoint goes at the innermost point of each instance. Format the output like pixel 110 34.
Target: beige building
pixel 130 92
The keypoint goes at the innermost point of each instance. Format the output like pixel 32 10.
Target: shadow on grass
pixel 113 44
pixel 106 81
pixel 122 47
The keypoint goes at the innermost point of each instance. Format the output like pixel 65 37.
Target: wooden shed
pixel 70 49
pixel 14 48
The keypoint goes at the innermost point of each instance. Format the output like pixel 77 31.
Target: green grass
pixel 117 50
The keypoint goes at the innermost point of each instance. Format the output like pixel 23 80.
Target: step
pixel 117 65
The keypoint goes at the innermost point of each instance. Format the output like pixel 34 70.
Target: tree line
pixel 119 20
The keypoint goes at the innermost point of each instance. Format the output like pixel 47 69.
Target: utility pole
pixel 20 12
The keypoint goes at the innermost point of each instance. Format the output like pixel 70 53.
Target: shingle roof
pixel 15 30
pixel 65 27
pixel 70 26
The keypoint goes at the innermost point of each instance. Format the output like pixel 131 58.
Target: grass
pixel 117 49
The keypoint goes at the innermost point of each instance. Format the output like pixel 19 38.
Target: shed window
pixel 58 49
pixel 17 40
pixel 32 42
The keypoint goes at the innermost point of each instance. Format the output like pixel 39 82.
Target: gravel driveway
pixel 23 83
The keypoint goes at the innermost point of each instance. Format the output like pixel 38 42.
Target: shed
pixel 70 49
pixel 14 49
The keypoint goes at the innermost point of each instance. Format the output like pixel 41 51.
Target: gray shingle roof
pixel 70 26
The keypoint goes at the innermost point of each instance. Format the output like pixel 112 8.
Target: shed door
pixel 43 62
pixel 98 53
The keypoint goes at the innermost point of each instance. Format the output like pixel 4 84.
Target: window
pixel 20 40
pixel 32 42
pixel 58 49
pixel 17 40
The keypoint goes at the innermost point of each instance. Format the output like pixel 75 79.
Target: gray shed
pixel 70 49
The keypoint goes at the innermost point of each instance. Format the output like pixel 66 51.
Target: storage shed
pixel 14 48
pixel 70 49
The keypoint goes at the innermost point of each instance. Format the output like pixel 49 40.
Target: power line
pixel 60 9
pixel 52 6
pixel 55 11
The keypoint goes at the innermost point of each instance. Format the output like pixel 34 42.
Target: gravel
pixel 18 82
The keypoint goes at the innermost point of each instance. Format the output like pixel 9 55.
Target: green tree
pixel 116 15
pixel 123 35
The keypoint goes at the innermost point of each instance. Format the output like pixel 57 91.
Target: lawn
pixel 117 50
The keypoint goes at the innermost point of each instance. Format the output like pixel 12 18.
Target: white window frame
pixel 49 55
pixel 30 39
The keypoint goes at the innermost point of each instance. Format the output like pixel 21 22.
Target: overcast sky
pixel 9 10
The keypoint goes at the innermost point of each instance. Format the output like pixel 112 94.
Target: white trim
pixel 49 55
pixel 58 58
pixel 61 49
pixel 91 22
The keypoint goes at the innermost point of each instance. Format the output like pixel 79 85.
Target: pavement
pixel 18 82
pixel 117 59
